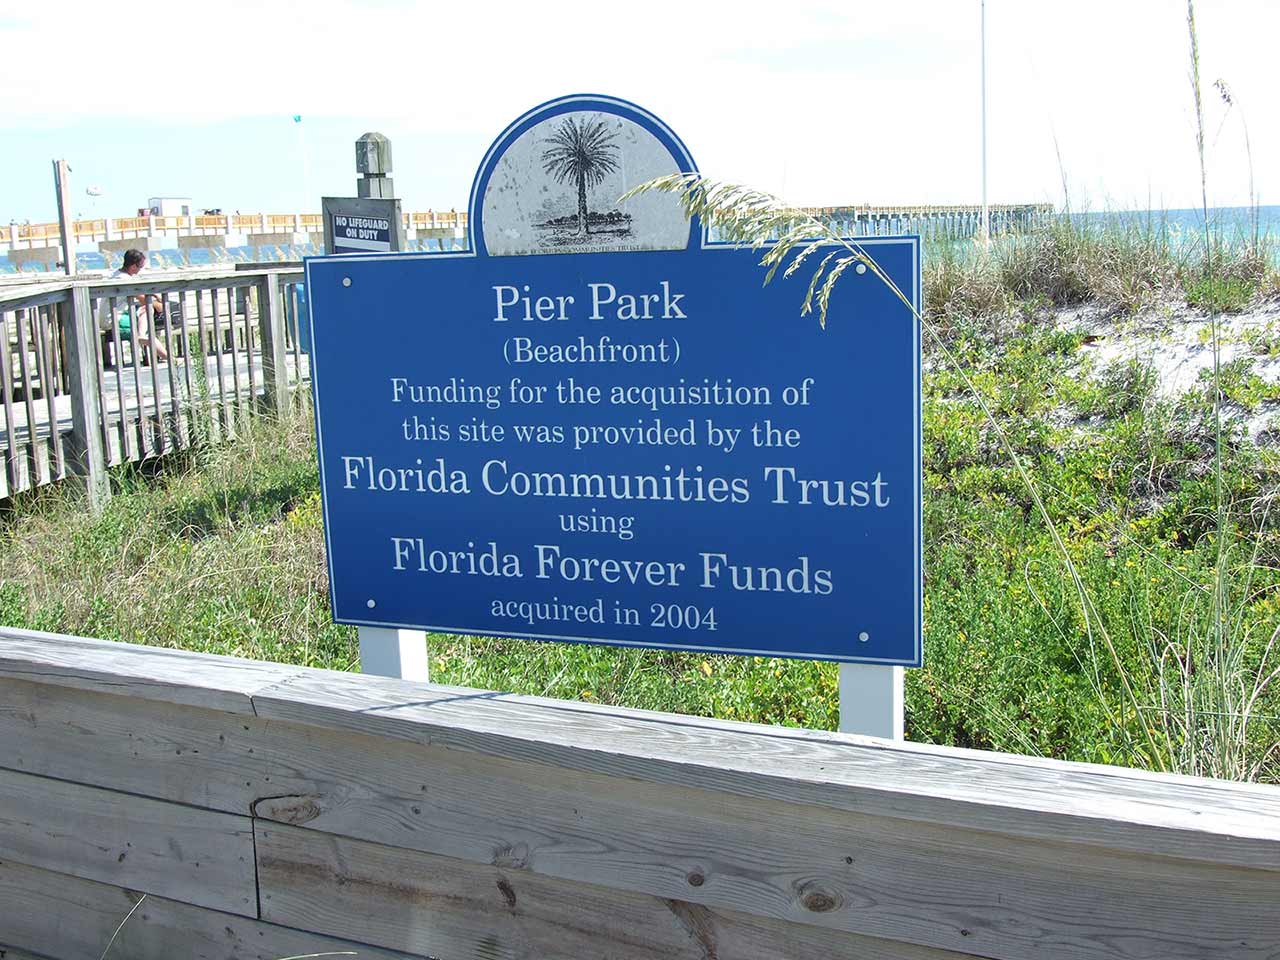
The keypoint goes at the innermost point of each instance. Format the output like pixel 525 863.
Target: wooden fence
pixel 953 221
pixel 20 236
pixel 90 377
pixel 268 811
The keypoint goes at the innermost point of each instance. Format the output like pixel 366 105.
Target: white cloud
pixel 829 102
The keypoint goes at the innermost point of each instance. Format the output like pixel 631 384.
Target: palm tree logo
pixel 581 152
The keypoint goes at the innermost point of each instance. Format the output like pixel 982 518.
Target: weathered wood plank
pixel 198 279
pixel 948 849
pixel 940 886
pixel 1176 816
pixel 35 295
pixel 205 758
pixel 459 911
pixel 86 448
pixel 73 919
pixel 152 673
pixel 13 953
pixel 646 838
pixel 198 856
pixel 1080 803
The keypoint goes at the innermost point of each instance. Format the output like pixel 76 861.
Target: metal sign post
pixel 871 700
pixel 394 653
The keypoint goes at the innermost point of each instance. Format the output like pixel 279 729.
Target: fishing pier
pixel 36 245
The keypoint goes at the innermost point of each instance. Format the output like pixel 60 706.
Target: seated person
pixel 135 324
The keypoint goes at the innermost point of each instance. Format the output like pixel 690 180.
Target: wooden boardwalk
pixel 141 392
pixel 65 409
pixel 142 417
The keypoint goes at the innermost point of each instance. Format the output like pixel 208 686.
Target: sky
pixel 822 103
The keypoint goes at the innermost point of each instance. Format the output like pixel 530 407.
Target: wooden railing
pixel 33 232
pixel 18 236
pixel 89 228
pixel 435 219
pixel 95 372
pixel 929 219
pixel 268 811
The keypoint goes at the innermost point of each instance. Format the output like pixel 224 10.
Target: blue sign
pixel 595 425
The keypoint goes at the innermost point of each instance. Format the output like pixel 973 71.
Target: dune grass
pixel 1121 264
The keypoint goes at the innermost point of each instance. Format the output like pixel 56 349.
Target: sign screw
pixel 371 604
pixel 860 268
pixel 862 637
pixel 346 281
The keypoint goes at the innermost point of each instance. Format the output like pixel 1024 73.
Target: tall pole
pixel 62 186
pixel 306 172
pixel 986 213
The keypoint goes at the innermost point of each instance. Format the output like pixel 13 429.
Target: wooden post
pixel 388 652
pixel 275 373
pixel 871 700
pixel 62 184
pixel 984 228
pixel 86 454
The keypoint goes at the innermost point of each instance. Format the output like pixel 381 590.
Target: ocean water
pixel 1231 224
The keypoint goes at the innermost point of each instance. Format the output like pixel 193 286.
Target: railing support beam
pixel 275 372
pixel 87 454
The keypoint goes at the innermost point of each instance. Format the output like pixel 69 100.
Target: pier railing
pixel 31 236
pixel 97 372
pixel 942 221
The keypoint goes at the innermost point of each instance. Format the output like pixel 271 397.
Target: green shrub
pixel 1221 294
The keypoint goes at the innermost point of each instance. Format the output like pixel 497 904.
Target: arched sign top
pixel 551 182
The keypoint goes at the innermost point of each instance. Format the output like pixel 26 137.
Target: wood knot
pixel 513 856
pixel 816 900
pixel 820 902
pixel 293 810
pixel 696 879
pixel 508 893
